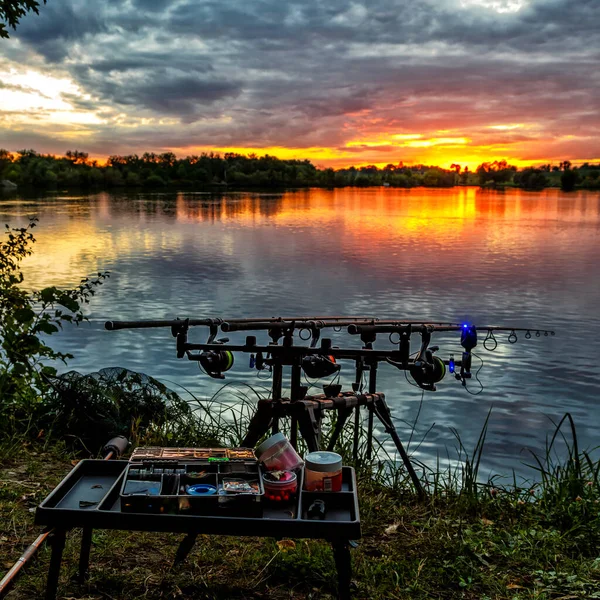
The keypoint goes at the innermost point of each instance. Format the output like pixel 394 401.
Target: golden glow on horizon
pixel 46 105
pixel 406 136
pixel 434 151
pixel 461 141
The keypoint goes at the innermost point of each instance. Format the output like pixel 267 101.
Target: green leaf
pixel 46 327
pixel 19 369
pixel 48 294
pixel 31 344
pixel 24 315
pixel 68 303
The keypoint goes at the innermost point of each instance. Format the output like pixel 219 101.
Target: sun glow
pixel 506 127
pixel 56 107
pixel 32 98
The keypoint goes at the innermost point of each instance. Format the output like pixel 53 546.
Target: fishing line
pixel 406 371
pixel 412 429
pixel 476 377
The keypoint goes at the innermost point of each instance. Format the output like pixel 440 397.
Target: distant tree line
pixel 27 168
pixel 564 175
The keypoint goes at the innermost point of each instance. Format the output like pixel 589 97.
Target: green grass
pixel 467 540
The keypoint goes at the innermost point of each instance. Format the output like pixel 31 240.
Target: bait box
pixel 159 487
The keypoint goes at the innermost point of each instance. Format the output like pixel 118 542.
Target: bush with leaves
pixel 87 410
pixel 25 318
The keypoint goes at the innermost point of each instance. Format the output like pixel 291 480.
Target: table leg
pixel 185 547
pixel 341 554
pixel 57 542
pixel 84 555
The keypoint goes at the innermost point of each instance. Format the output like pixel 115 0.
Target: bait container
pixel 277 454
pixel 323 472
pixel 280 486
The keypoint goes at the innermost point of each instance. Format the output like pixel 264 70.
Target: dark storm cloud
pixel 307 73
pixel 62 24
pixel 159 90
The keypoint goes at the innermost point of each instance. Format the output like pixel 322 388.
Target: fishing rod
pixel 114 448
pixel 275 325
pixel 146 324
pixel 427 369
pixel 216 355
pixel 319 359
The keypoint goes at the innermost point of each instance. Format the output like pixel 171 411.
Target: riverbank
pixel 503 546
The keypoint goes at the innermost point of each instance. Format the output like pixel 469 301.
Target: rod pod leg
pixel 342 417
pixel 370 433
pixel 309 425
pixel 382 411
pixel 356 439
pixel 259 424
pixel 185 547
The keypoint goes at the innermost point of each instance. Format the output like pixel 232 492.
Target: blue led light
pixel 465 325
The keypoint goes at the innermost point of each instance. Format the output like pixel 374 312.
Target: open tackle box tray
pixel 82 489
pixel 90 496
pixel 200 487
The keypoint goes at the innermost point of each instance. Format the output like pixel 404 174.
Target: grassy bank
pixel 485 543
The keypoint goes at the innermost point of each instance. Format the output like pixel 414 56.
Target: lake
pixel 462 254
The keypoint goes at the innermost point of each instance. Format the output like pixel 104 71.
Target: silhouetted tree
pixel 11 12
pixel 496 172
pixel 531 178
pixel 568 180
pixel 76 157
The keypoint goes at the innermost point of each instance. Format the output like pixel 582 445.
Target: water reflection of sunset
pixel 362 223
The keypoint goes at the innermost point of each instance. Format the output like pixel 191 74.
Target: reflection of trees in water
pixel 541 205
pixel 224 206
pixel 191 206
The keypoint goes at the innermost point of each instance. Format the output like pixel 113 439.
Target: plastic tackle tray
pixel 78 502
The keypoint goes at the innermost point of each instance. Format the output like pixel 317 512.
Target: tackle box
pixel 193 481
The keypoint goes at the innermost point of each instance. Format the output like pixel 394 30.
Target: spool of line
pixel 201 489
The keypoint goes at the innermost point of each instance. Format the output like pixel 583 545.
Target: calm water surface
pixel 514 257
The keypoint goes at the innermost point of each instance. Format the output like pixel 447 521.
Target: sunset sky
pixel 339 83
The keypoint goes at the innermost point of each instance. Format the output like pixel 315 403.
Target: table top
pixel 89 496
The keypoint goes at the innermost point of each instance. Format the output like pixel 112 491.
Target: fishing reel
pixel 317 366
pixel 427 370
pixel 216 362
